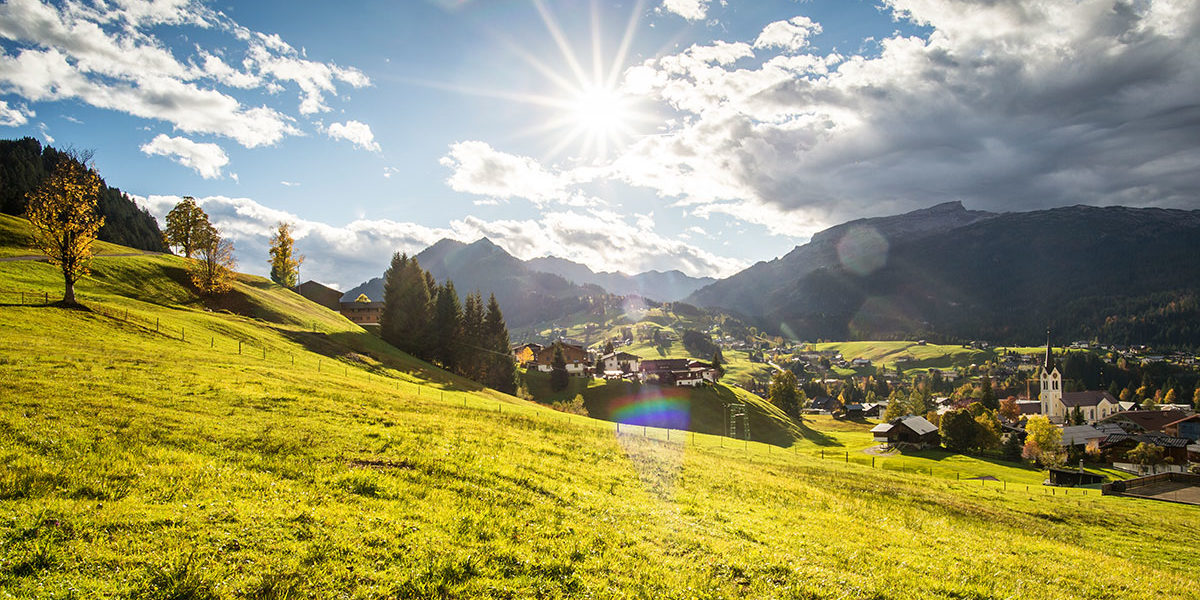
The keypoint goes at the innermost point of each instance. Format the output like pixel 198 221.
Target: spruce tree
pixel 558 369
pixel 390 320
pixel 987 395
pixel 474 348
pixel 407 308
pixel 501 365
pixel 446 336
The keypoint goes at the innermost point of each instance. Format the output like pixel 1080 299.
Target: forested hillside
pixel 23 165
pixel 1118 275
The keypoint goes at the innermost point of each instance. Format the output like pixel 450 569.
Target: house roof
pixel 621 356
pixel 1076 435
pixel 919 425
pixel 1073 399
pixel 1187 418
pixel 1157 439
pixel 1147 420
pixel 882 428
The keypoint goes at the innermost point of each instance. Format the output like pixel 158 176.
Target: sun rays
pixel 587 113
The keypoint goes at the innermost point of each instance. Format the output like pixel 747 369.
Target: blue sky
pixel 731 130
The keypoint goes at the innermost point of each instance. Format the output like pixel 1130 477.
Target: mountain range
pixel 1115 274
pixel 540 290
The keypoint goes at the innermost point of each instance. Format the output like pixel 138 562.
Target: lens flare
pixel 862 250
pixel 667 408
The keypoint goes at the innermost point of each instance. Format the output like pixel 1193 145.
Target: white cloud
pixel 1005 105
pixel 107 55
pixel 692 10
pixel 482 170
pixel 352 253
pixel 791 35
pixel 289 183
pixel 206 159
pixel 355 132
pixel 14 116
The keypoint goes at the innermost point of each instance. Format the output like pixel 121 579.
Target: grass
pixel 702 409
pixel 920 356
pixel 137 464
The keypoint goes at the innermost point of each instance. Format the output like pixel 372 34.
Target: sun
pixel 600 111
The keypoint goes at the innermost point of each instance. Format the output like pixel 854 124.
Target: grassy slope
pixel 138 465
pixel 703 408
pixel 924 356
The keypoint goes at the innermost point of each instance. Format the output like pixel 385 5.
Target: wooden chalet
pixel 321 294
pixel 576 356
pixel 910 430
pixel 526 353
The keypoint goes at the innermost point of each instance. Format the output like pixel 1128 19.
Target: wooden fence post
pixel 239 346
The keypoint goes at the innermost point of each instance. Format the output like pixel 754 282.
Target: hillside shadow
pixel 817 437
pixel 338 346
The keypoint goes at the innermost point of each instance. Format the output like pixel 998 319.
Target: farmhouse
pixel 1187 427
pixel 363 313
pixel 526 353
pixel 620 362
pixel 910 430
pixel 1148 421
pixel 321 294
pixel 576 358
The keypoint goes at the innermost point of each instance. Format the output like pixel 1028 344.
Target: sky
pixel 699 135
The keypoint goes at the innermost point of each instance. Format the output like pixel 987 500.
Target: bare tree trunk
pixel 69 292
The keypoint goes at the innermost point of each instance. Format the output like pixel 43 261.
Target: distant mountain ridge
pixel 537 290
pixel 668 286
pixel 526 296
pixel 1120 275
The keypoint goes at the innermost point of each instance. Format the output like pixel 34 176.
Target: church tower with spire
pixel 1051 380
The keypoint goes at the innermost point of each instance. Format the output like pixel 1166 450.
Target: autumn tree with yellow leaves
pixel 66 219
pixel 285 263
pixel 212 272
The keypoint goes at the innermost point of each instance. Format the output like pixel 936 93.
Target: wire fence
pixel 252 349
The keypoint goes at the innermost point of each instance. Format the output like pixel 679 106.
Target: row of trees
pixel 430 321
pixel 189 231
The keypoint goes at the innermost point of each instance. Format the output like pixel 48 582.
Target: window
pixel 1056 385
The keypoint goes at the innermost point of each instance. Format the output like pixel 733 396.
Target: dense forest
pixel 24 163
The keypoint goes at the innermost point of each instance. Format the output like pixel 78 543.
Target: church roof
pixel 1073 399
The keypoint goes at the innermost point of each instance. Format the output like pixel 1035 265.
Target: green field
pixel 702 409
pixel 920 356
pixel 145 458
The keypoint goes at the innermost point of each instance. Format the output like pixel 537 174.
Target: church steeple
pixel 1048 365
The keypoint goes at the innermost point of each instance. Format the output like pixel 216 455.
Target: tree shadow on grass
pixel 343 346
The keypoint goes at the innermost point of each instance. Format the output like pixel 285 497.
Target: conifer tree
pixel 407 307
pixel 63 212
pixel 285 263
pixel 501 366
pixel 475 354
pixel 389 321
pixel 445 342
pixel 986 395
pixel 558 369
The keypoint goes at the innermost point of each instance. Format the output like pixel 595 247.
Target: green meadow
pixel 144 457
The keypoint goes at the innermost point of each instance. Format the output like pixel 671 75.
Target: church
pixel 1058 405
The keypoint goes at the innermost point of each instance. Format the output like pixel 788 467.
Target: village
pixel 1077 429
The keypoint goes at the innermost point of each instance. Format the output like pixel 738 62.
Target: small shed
pixel 1073 477
pixel 910 430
